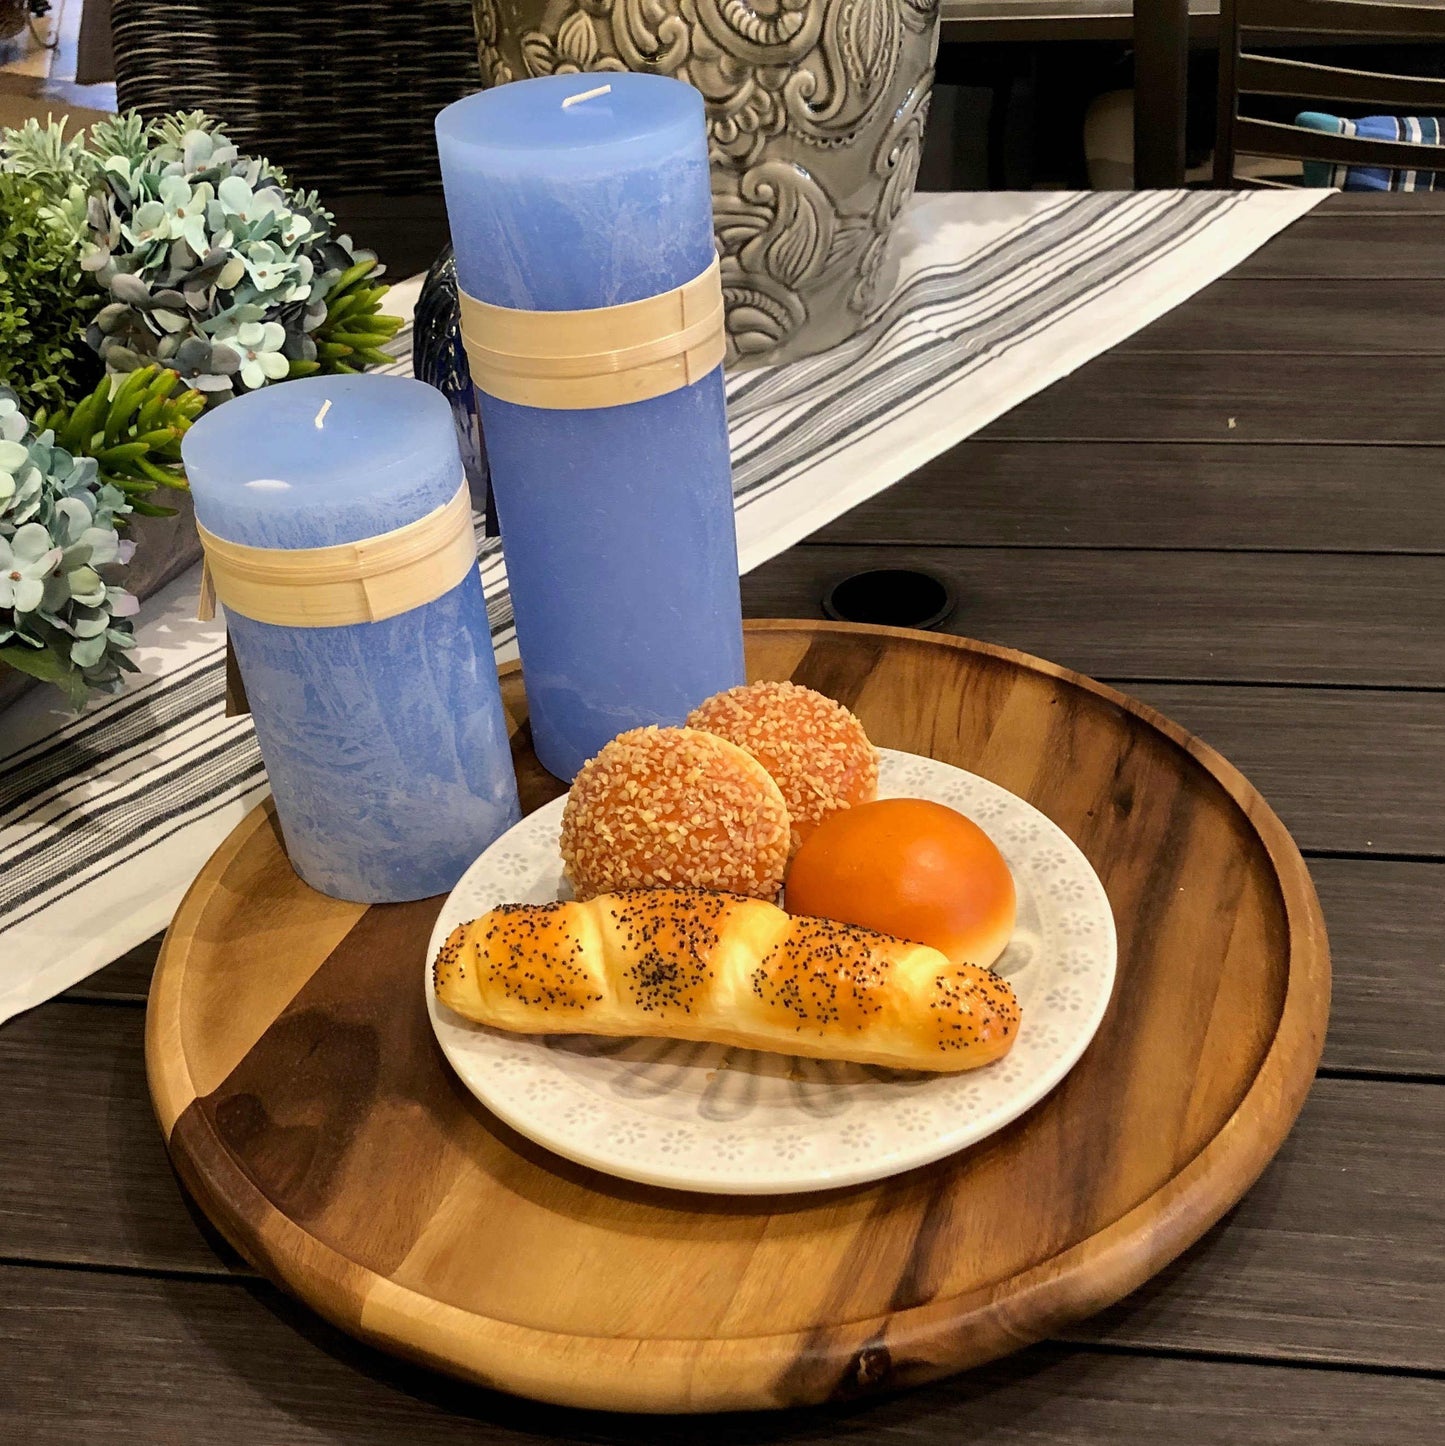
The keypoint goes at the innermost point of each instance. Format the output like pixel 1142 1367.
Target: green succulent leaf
pixel 132 427
pixel 141 508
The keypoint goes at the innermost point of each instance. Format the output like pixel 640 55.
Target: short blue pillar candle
pixel 385 742
pixel 617 522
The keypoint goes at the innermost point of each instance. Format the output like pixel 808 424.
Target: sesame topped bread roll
pixel 693 964
pixel 660 806
pixel 814 748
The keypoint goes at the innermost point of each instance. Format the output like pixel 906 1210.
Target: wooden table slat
pixel 135 1362
pixel 1314 316
pixel 1348 771
pixel 1195 398
pixel 1342 240
pixel 1160 495
pixel 1401 205
pixel 97 1187
pixel 1204 616
pixel 1386 923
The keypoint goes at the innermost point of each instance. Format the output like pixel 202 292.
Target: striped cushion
pixel 1416 129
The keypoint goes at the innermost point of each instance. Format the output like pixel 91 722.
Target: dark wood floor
pixel 1278 585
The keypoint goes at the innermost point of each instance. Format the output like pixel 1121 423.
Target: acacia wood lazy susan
pixel 309 1110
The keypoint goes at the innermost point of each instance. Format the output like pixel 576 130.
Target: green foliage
pixel 132 427
pixel 216 268
pixel 146 271
pixel 46 301
pixel 63 169
pixel 126 136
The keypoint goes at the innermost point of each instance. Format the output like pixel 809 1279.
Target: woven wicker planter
pixel 815 117
pixel 340 95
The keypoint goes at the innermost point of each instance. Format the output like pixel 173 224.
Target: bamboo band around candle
pixel 602 357
pixel 354 582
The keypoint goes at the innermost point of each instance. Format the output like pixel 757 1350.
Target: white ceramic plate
pixel 744 1122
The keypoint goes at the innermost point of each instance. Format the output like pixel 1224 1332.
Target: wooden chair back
pixel 1246 24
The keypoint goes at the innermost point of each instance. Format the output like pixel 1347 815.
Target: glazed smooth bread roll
pixel 695 964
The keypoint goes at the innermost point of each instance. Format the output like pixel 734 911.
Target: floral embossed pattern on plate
pixel 734 1121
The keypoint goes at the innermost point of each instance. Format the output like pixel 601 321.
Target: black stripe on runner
pixel 50 812
pixel 70 760
pixel 37 868
pixel 217 800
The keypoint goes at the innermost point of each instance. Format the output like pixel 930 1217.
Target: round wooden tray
pixel 310 1112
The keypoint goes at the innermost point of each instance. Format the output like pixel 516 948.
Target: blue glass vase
pixel 439 359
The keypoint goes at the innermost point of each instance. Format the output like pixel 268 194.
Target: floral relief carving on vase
pixel 488 26
pixel 895 163
pixel 815 113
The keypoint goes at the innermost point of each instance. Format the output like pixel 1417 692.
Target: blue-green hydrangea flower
pixel 27 558
pixel 260 347
pixel 20 481
pixel 61 617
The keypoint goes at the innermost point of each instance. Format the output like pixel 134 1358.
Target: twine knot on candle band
pixel 604 356
pixel 352 582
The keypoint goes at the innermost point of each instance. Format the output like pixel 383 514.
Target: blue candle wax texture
pixel 385 742
pixel 617 523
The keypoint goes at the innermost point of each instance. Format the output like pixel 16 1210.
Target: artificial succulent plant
pixel 204 261
pixel 132 427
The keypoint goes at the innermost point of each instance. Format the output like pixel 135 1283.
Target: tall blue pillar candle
pixel 384 742
pixel 617 522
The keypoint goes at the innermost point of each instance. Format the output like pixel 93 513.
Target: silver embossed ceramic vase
pixel 815 120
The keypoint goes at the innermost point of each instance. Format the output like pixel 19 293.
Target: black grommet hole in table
pixel 893 596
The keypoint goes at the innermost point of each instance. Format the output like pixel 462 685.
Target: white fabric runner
pixel 106 818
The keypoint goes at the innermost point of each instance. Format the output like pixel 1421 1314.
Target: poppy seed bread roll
pixel 694 964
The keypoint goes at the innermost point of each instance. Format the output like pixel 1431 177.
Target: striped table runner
pixel 106 818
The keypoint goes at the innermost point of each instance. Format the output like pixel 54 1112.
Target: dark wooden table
pixel 1238 515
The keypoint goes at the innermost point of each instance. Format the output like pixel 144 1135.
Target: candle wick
pixel 321 415
pixel 587 95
